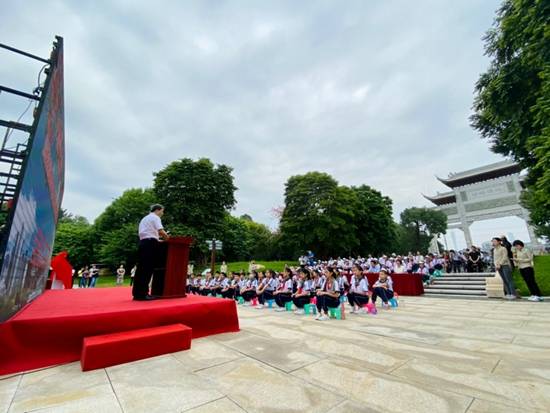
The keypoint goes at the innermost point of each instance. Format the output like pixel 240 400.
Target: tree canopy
pixel 512 103
pixel 419 226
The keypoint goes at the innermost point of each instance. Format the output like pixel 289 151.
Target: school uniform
pixel 250 287
pixel 226 285
pixel 306 287
pixel 285 293
pixel 359 295
pixel 270 288
pixel 204 288
pixel 385 294
pixel 324 302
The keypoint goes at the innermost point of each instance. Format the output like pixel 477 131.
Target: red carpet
pixel 51 329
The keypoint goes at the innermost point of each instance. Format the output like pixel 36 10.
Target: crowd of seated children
pixel 300 287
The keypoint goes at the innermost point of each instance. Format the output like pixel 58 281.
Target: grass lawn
pixel 542 275
pixel 110 280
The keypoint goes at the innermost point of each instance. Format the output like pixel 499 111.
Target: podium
pixel 170 275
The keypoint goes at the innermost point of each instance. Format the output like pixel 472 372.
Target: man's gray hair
pixel 156 207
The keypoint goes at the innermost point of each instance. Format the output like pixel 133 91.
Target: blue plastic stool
pixel 393 302
pixel 270 303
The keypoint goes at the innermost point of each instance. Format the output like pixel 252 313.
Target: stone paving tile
pixel 525 369
pixel 285 355
pixel 353 407
pixel 205 353
pixel 483 406
pixel 159 384
pixel 259 388
pixel 8 386
pixel 106 403
pixel 224 405
pixel 478 383
pixel 60 385
pixel 380 391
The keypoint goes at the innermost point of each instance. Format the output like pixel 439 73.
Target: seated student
pixel 318 280
pixel 302 296
pixel 249 290
pixel 259 288
pixel 196 284
pixel 189 283
pixel 284 293
pixel 329 296
pixel 343 283
pixel 241 284
pixel 424 270
pixel 383 288
pixel 215 284
pixel 227 290
pixel 358 295
pixel 204 288
pixel 265 291
pixel 374 266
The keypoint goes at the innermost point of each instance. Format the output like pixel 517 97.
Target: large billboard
pixel 31 225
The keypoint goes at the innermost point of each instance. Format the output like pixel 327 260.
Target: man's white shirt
pixel 149 226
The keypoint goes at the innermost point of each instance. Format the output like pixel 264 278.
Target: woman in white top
pixel 383 288
pixel 399 268
pixel 284 294
pixel 358 295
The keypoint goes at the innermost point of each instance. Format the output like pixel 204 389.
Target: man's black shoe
pixel 146 298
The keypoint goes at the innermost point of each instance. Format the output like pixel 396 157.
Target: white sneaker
pixel 299 312
pixel 534 298
pixel 510 297
pixel 318 317
pixel 280 309
pixel 353 311
pixel 259 307
pixel 323 318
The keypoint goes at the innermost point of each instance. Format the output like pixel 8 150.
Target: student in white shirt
pixel 284 294
pixel 329 296
pixel 269 286
pixel 399 268
pixel 358 295
pixel 302 296
pixel 249 291
pixel 204 288
pixel 383 288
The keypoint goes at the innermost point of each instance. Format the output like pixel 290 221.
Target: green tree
pixel 374 222
pixel 512 103
pixel 76 236
pixel 115 230
pixel 318 215
pixel 197 196
pixel 420 224
pixel 120 246
pixel 129 208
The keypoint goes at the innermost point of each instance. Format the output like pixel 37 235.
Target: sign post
pixel 213 245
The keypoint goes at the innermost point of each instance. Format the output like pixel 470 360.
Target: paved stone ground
pixel 429 355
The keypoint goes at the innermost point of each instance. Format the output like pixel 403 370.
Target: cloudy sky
pixel 374 92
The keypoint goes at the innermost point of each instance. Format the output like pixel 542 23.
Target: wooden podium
pixel 170 275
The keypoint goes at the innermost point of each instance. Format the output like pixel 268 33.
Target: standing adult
pixel 506 244
pixel 502 265
pixel 524 260
pixel 94 274
pixel 150 231
pixel 223 268
pixel 120 272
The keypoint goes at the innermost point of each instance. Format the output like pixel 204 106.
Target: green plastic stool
pixel 310 309
pixel 240 300
pixel 219 296
pixel 335 313
pixel 288 306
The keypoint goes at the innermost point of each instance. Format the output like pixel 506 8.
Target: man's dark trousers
pixel 146 264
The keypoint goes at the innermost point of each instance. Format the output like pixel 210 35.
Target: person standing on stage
pixel 150 230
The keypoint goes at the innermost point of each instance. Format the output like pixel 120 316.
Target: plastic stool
pixel 219 296
pixel 310 309
pixel 240 300
pixel 393 302
pixel 270 303
pixel 288 306
pixel 335 313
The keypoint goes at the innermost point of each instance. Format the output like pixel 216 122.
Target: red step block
pixel 117 348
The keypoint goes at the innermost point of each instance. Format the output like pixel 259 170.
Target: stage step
pixel 455 287
pixel 461 292
pixel 117 348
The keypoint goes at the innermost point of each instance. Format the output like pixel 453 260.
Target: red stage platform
pixel 51 329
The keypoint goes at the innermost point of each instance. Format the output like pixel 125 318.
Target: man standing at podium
pixel 150 230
